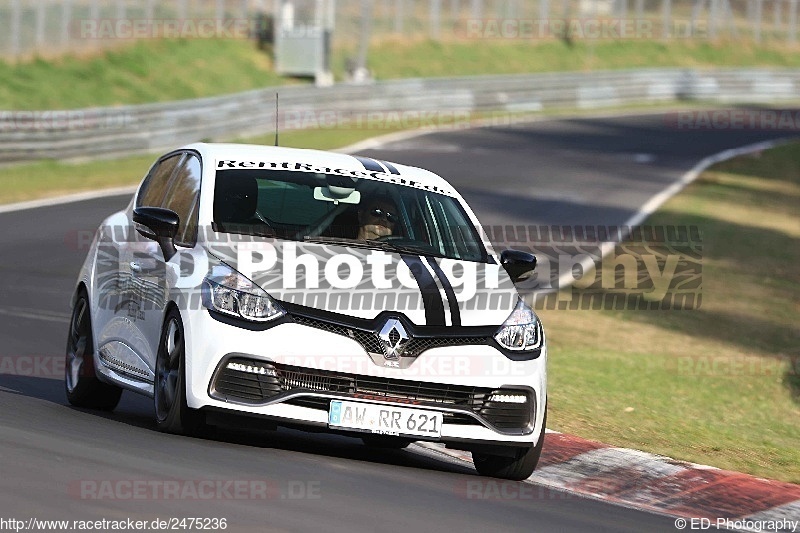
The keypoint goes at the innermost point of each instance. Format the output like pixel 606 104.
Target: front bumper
pixel 309 367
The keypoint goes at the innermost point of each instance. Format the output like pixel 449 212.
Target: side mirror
pixel 158 224
pixel 518 264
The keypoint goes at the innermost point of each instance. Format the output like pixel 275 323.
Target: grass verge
pixel 145 71
pixel 402 60
pixel 719 385
pixel 162 70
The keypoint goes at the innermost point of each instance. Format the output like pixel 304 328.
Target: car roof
pixel 364 167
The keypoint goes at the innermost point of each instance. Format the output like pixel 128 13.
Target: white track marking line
pixel 35 314
pixel 68 199
pixel 659 199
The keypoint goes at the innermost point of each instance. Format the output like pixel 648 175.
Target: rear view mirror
pixel 332 193
pixel 158 224
pixel 518 264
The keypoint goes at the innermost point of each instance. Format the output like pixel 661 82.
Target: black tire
pixel 172 413
pixel 515 468
pixel 387 442
pixel 80 380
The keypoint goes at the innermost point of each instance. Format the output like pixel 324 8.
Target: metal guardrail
pixel 27 136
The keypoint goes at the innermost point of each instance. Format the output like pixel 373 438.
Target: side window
pixel 184 199
pixel 155 186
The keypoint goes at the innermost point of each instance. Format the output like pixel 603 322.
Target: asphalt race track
pixel 54 457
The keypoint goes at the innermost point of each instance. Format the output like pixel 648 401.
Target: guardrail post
pixel 666 30
pixel 792 30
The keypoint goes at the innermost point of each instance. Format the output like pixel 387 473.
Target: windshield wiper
pixel 351 242
pixel 376 244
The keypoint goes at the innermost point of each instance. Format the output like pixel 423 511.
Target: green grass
pixel 719 385
pixel 147 71
pixel 397 60
pixel 162 70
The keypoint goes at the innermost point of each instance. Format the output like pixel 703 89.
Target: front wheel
pixel 173 415
pixel 80 381
pixel 516 467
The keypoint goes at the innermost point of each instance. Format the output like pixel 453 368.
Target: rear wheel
pixel 80 381
pixel 518 466
pixel 173 415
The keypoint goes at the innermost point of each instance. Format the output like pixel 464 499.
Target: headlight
pixel 227 291
pixel 521 331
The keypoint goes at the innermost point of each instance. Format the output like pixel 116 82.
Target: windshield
pixel 311 207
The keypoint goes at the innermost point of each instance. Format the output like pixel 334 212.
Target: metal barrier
pixel 32 135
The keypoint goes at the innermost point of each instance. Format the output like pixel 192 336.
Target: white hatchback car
pixel 313 290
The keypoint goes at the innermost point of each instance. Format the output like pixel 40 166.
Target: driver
pixel 377 218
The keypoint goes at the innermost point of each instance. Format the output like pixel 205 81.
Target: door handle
pixel 135 267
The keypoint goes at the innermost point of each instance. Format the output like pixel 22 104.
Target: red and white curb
pixel 649 482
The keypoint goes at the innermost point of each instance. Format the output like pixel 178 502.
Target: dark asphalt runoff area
pixel 59 462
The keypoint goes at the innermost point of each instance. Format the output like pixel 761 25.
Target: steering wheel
pixel 389 238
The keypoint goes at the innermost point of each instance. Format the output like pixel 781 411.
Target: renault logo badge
pixel 394 339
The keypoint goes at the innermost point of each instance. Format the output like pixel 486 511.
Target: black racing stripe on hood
pixel 391 168
pixel 431 298
pixel 370 164
pixel 455 312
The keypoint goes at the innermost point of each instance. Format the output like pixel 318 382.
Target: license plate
pixel 384 419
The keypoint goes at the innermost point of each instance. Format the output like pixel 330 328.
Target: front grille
pixel 369 340
pixel 372 343
pixel 252 381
